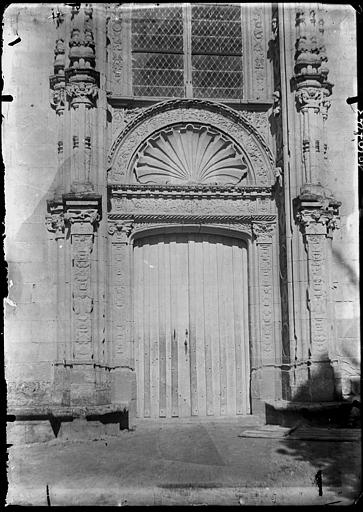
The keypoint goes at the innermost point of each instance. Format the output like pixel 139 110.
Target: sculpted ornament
pixel 82 92
pixel 263 231
pixel 190 153
pixel 55 223
pixel 121 230
pixel 221 118
pixel 91 216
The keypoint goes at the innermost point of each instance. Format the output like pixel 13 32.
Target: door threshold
pixel 248 420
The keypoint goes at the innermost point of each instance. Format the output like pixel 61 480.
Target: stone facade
pixel 93 169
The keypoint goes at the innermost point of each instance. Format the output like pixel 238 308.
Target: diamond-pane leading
pixel 157 46
pixel 217 51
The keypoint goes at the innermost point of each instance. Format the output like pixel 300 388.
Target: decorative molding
pixel 259 120
pixel 115 28
pixel 189 219
pixel 200 191
pixel 189 153
pixel 230 122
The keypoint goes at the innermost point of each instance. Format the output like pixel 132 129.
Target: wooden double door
pixel 191 325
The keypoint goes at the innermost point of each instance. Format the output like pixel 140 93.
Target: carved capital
pixel 82 92
pixel 79 215
pixel 263 231
pixel 55 223
pixel 318 215
pixel 121 230
pixel 82 213
pixel 57 97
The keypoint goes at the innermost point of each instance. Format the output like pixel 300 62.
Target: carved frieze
pixel 229 122
pixel 28 393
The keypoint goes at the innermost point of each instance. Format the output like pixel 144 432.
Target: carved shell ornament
pixel 190 153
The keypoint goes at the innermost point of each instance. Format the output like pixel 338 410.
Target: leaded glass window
pixel 186 50
pixel 157 46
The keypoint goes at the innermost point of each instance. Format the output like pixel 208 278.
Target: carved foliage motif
pixel 263 231
pixel 28 393
pixel 120 232
pixel 258 51
pixel 82 301
pixel 317 294
pixel 117 60
pixel 55 223
pixel 189 153
pixel 238 129
pixel 186 206
pixel 266 299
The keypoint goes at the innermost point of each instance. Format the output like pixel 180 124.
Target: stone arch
pixel 244 137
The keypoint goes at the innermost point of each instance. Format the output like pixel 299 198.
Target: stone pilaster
pixel 265 359
pixel 81 218
pixel 121 315
pixel 75 85
pixel 312 90
pixel 318 217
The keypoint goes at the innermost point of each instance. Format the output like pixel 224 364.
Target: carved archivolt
pixel 189 153
pixel 231 125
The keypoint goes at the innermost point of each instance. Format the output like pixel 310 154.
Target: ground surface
pixel 187 464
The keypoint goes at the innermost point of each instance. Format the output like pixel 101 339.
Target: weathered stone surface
pixel 83 186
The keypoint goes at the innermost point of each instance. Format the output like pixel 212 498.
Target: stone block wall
pixel 342 179
pixel 30 159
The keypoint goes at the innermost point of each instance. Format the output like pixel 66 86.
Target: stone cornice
pixel 188 191
pixel 192 219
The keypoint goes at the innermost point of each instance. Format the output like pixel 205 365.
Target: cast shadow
pixel 337 463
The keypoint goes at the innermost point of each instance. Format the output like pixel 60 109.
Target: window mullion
pixel 187 22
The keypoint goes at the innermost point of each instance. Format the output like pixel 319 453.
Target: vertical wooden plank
pixel 174 333
pixel 238 313
pixel 246 335
pixel 192 348
pixel 209 313
pixel 137 324
pixel 167 301
pixel 154 326
pixel 183 326
pixel 162 329
pixel 222 293
pixel 229 329
pixel 214 302
pixel 146 308
pixel 199 327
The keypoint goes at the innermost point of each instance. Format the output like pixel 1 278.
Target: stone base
pixel 288 414
pixel 34 431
